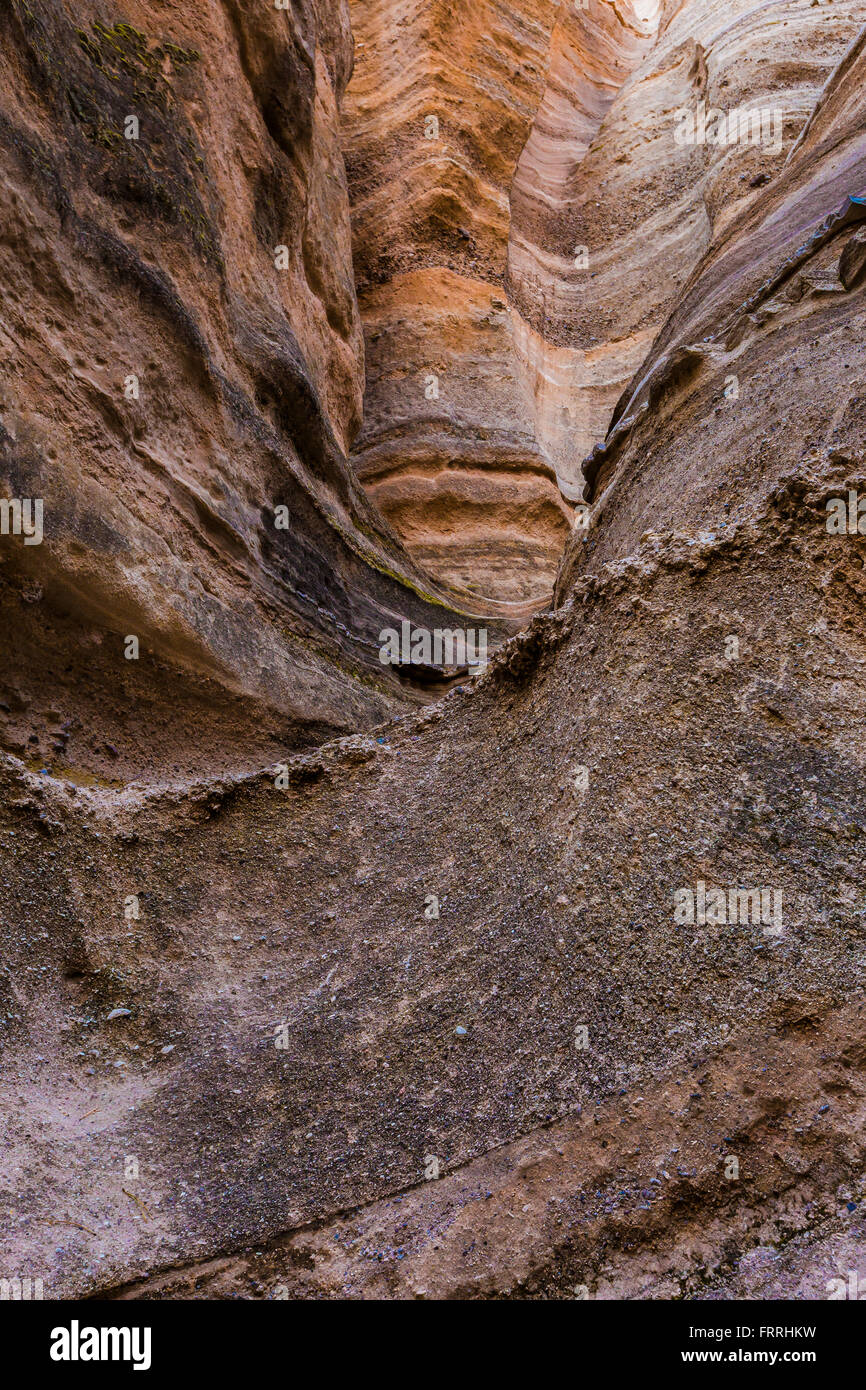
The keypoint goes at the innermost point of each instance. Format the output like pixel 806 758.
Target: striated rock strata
pixel 439 110
pixel 431 1020
pixel 183 358
pixel 641 209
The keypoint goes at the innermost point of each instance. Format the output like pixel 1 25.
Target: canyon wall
pixel 442 1013
pixel 184 371
pixel 437 114
pixel 523 223
pixel 640 209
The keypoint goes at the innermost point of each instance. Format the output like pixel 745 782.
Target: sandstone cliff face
pixel 643 208
pixel 426 1022
pixel 183 358
pixel 522 226
pixel 437 115
pixel 593 55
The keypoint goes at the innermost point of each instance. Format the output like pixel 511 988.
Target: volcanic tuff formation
pixel 183 357
pixel 294 1004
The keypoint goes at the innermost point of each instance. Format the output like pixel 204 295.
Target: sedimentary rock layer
pixel 597 262
pixel 459 947
pixel 182 358
pixel 553 185
pixel 438 112
pixel 594 51
pixel 448 448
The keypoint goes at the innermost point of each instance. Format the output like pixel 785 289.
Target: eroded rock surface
pixel 523 225
pixel 183 357
pixel 437 115
pixel 429 1021
pixel 641 209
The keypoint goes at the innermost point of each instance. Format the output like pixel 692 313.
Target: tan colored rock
pixel 594 51
pixel 438 112
pixel 183 357
pixel 432 1019
pixel 448 449
pixel 644 207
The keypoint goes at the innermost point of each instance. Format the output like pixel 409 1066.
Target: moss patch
pixel 92 79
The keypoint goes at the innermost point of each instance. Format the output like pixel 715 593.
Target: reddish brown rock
pixel 183 358
pixel 443 1014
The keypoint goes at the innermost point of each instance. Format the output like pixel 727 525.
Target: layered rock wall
pixel 438 112
pixel 446 1014
pixel 641 207
pixel 183 357
pixel 515 269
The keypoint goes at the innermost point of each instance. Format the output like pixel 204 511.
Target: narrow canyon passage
pixel 462 135
pixel 314 986
pixel 514 269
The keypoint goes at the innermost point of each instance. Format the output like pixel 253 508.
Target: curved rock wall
pixel 572 202
pixel 184 357
pixel 593 54
pixel 431 1017
pixel 644 208
pixel 439 109
pixel 456 949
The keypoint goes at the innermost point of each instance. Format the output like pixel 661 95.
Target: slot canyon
pixel 329 976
